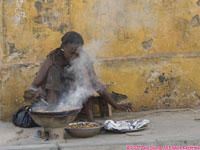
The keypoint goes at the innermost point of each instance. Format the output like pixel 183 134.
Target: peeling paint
pixel 19 12
pixel 198 3
pixel 195 22
pixel 38 6
pixel 147 44
pixel 12 47
pixel 62 28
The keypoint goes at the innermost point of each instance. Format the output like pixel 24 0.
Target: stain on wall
pixel 155 82
pixel 147 44
pixel 195 22
pixel 198 3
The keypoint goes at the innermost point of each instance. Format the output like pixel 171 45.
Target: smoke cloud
pixel 81 88
pixel 107 19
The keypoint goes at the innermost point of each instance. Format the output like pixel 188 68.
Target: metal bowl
pixel 83 132
pixel 54 119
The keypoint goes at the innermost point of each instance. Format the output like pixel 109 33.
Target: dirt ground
pixel 164 125
pixel 12 134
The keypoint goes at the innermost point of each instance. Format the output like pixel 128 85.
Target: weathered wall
pixel 150 48
pixel 30 30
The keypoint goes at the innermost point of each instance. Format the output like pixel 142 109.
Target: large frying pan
pixel 58 119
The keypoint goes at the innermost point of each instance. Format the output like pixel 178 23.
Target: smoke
pixel 80 82
pixel 113 19
pixel 81 87
pixel 107 20
pixel 93 48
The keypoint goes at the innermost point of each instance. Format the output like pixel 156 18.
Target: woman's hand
pixel 125 107
pixel 31 93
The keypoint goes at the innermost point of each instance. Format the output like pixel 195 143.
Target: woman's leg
pixel 52 97
pixel 88 106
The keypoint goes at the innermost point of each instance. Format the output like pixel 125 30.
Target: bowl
pixel 57 119
pixel 83 132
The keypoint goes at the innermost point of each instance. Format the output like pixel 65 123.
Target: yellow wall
pixel 150 48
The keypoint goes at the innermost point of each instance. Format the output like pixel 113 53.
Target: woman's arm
pixel 33 90
pixel 102 91
pixel 100 88
pixel 42 73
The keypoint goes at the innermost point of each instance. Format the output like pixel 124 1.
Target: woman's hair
pixel 72 38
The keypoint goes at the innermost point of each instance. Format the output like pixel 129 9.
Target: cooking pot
pixel 54 119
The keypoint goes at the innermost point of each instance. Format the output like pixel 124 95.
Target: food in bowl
pixel 83 129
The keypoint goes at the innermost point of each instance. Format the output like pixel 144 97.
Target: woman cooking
pixel 56 78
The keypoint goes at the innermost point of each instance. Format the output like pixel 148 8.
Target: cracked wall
pixel 150 48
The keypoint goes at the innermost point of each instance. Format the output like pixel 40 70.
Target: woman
pixel 61 75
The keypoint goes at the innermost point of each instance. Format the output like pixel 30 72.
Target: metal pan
pixel 55 113
pixel 54 119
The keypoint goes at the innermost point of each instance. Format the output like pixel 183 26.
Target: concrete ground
pixel 171 127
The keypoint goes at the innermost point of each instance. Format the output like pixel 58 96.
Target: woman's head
pixel 72 43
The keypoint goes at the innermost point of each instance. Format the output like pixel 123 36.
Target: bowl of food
pixel 83 129
pixel 54 118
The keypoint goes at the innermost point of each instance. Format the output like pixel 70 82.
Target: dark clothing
pixel 55 80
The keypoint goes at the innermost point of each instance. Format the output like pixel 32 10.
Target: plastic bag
pixel 22 118
pixel 126 125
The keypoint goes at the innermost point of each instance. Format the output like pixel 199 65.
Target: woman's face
pixel 71 51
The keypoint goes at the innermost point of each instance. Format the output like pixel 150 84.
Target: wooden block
pixel 109 110
pixel 55 133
